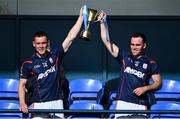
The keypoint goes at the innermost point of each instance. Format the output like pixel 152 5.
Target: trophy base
pixel 85 35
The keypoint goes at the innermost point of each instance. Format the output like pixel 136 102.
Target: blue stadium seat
pixel 165 105
pixel 10 105
pixel 112 97
pixel 9 88
pixel 85 90
pixel 110 89
pixel 86 106
pixel 170 90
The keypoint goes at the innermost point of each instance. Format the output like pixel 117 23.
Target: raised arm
pixel 21 93
pixel 73 32
pixel 112 48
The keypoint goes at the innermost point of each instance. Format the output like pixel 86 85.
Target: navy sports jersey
pixel 44 75
pixel 134 73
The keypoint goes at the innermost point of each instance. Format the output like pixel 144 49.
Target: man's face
pixel 137 46
pixel 40 44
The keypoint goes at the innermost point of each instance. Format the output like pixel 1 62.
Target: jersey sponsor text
pixel 134 72
pixel 45 74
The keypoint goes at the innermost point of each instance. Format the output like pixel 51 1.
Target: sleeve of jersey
pixel 155 67
pixel 60 52
pixel 24 72
pixel 120 55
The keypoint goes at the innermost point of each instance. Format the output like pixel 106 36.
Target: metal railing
pixel 80 111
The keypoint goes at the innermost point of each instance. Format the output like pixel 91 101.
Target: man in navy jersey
pixel 136 69
pixel 43 71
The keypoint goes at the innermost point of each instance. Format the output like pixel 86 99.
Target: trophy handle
pixel 97 14
pixel 92 15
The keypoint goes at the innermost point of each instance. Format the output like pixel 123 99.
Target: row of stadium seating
pixel 88 94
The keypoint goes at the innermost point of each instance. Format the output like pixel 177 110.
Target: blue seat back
pixel 112 97
pixel 165 105
pixel 9 105
pixel 84 89
pixel 85 85
pixel 9 88
pixel 169 89
pixel 170 86
pixel 86 106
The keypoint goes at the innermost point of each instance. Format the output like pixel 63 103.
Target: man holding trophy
pixel 42 69
pixel 136 69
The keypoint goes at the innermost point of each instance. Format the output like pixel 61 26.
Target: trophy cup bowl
pixel 92 17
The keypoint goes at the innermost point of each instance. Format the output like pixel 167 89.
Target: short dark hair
pixel 138 34
pixel 40 34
